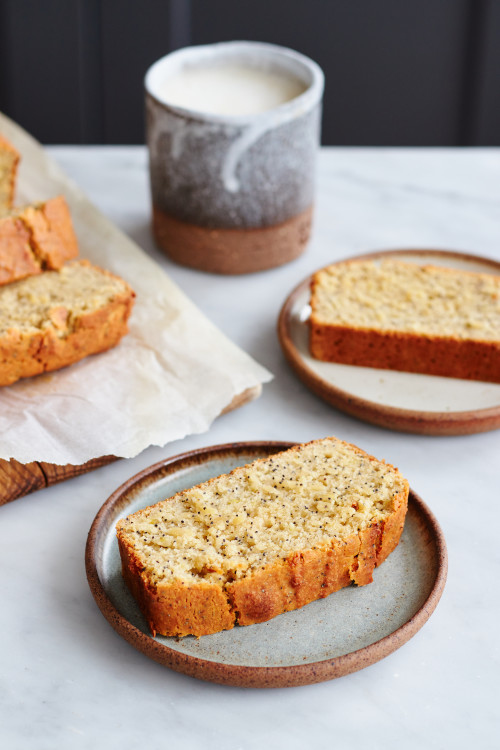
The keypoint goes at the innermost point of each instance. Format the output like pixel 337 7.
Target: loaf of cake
pixel 264 539
pixel 9 160
pixel 403 316
pixel 59 317
pixel 36 238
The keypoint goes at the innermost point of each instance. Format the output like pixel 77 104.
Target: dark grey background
pixel 398 72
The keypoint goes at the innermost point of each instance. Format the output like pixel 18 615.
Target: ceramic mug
pixel 232 193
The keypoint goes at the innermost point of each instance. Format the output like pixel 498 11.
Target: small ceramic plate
pixel 345 632
pixel 404 401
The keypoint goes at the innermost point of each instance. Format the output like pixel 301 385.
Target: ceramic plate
pixel 404 401
pixel 345 632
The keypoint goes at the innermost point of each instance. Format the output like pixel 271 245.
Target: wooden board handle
pixel 17 480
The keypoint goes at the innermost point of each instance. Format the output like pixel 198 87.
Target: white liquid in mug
pixel 229 89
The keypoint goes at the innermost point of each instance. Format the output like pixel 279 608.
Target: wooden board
pixel 18 480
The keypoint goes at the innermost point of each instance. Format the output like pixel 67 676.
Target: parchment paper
pixel 171 376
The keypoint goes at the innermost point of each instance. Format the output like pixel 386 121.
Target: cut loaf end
pixel 36 238
pixel 264 539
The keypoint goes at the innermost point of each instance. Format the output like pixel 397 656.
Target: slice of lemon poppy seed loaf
pixel 59 317
pixel 403 316
pixel 264 539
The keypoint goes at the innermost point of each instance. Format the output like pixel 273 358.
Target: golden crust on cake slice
pixel 264 539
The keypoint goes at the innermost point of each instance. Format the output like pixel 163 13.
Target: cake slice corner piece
pixel 35 238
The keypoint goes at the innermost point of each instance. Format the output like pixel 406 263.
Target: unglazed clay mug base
pixel 233 193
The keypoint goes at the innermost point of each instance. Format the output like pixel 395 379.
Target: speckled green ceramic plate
pixel 345 632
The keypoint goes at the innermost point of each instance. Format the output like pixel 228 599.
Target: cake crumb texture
pixel 264 539
pixel 403 316
pixel 56 318
pixel 9 161
pixel 36 238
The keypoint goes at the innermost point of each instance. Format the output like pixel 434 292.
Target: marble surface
pixel 67 680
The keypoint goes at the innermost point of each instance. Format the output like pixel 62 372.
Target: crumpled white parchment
pixel 171 376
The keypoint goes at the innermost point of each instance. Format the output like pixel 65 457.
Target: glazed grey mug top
pixel 232 171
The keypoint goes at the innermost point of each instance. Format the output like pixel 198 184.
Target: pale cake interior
pixel 17 212
pixel 56 298
pixel 298 500
pixel 398 296
pixel 7 163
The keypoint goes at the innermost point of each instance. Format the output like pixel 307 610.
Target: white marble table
pixel 67 680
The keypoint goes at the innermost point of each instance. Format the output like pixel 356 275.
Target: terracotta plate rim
pixel 406 420
pixel 238 675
